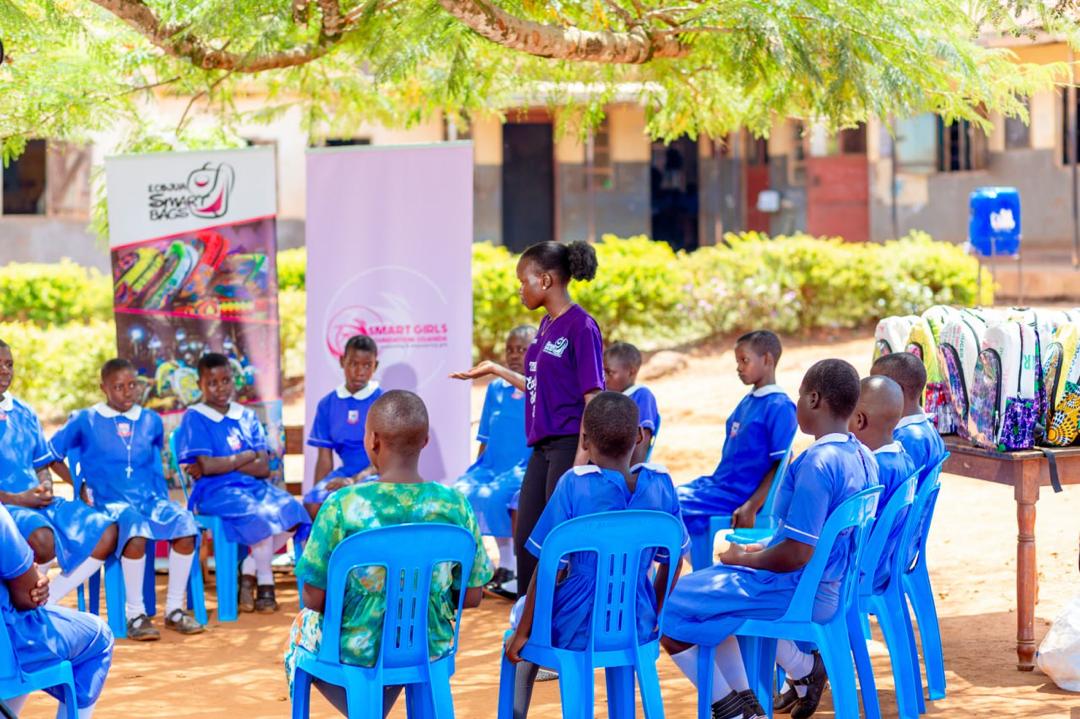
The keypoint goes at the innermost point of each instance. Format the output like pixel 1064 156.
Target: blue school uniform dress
pixel 921 441
pixel 894 467
pixel 44 636
pixel 23 450
pixel 706 606
pixel 251 507
pixel 339 424
pixel 759 432
pixel 587 490
pixel 648 414
pixel 496 475
pixel 120 461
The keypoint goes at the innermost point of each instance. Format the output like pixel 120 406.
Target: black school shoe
pixel 498 581
pixel 265 602
pixel 246 602
pixel 815 683
pixel 751 706
pixel 785 700
pixel 140 629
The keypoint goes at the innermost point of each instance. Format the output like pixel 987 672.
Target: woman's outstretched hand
pixel 481 370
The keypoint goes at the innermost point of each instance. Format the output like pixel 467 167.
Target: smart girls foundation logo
pixel 361 320
pixel 205 193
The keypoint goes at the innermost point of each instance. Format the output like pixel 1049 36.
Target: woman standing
pixel 564 369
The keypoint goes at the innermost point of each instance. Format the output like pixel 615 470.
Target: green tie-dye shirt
pixel 382 504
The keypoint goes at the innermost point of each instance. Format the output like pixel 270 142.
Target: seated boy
pixel 881 403
pixel 226 448
pixel 611 433
pixel 42 635
pixel 759 432
pixel 397 430
pixel 496 475
pixel 339 423
pixel 622 362
pixel 119 446
pixel 755 582
pixel 914 431
pixel 79 538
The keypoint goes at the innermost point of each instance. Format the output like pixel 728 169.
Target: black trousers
pixel 551 458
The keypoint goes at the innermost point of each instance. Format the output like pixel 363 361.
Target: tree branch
pixel 633 47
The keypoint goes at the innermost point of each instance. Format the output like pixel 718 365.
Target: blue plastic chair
pixel 887 604
pixel 226 551
pixel 16 682
pixel 701 546
pixel 619 539
pixel 831 637
pixel 409 552
pixel 915 581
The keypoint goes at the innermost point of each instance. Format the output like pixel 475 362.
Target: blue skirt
pixel 76 528
pixel 155 518
pixel 705 497
pixel 44 636
pixel 251 509
pixel 490 496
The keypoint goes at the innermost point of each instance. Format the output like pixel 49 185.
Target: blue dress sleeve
pixel 559 509
pixel 67 437
pixel 43 451
pixel 809 507
pixel 648 414
pixel 783 425
pixel 491 398
pixel 192 441
pixel 320 429
pixel 16 558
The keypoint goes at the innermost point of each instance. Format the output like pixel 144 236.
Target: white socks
pixel 686 661
pixel 179 573
pixel 262 554
pixel 728 659
pixel 795 662
pixel 507 560
pixel 281 539
pixel 134 572
pixel 63 584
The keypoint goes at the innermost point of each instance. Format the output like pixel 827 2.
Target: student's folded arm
pixel 28 590
pixel 258 466
pixel 214 465
pixel 788 555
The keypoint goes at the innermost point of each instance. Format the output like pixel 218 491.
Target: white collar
pixel 368 390
pixel 8 403
pixel 833 437
pixel 629 391
pixel 912 419
pixel 890 448
pixel 236 411
pixel 767 390
pixel 108 412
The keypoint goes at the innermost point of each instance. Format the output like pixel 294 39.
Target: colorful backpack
pixel 959 353
pixel 922 342
pixel 891 335
pixel 1061 372
pixel 1003 406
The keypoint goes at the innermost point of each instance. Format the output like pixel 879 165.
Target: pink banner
pixel 389 233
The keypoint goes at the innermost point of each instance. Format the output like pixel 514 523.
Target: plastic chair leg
pixel 620 692
pixel 364 699
pixel 865 669
pixel 704 682
pixel 80 599
pixel 94 587
pixel 764 652
pixel 507 675
pixel 226 562
pixel 420 702
pixel 576 687
pixel 835 649
pixel 442 700
pixel 865 627
pixel 71 708
pixel 652 701
pixel 917 583
pixel 115 598
pixel 913 651
pixel 894 628
pixel 196 593
pixel 149 587
pixel 301 695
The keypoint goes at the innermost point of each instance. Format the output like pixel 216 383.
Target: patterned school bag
pixel 1003 406
pixel 959 353
pixel 891 334
pixel 1061 373
pixel 922 342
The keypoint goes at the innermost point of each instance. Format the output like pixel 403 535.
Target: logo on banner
pixel 205 194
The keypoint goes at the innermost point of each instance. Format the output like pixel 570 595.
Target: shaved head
pixel 401 421
pixel 882 399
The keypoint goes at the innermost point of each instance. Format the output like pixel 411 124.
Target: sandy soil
pixel 234 670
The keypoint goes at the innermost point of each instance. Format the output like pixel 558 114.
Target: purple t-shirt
pixel 563 364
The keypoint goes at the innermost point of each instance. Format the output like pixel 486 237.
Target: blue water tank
pixel 994 222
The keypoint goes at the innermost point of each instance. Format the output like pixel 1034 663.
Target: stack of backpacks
pixel 1002 379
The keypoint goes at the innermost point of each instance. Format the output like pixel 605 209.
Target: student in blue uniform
pixel 759 432
pixel 79 538
pixel 611 433
pixel 495 477
pixel 914 430
pixel 758 581
pixel 881 402
pixel 622 361
pixel 339 423
pixel 119 446
pixel 44 635
pixel 226 448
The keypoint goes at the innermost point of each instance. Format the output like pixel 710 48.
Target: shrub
pixel 292 307
pixel 292 269
pixel 53 293
pixel 496 308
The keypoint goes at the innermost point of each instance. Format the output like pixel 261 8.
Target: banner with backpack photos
pixel 193 242
pixel 389 255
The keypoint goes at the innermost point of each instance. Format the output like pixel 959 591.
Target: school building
pixel 869 183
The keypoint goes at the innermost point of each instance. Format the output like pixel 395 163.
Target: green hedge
pixel 292 269
pixel 49 294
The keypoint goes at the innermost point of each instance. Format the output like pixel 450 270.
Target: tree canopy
pixel 697 66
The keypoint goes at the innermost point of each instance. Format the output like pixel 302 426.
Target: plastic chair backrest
pixel 619 539
pixel 857 513
pixel 886 522
pixel 919 519
pixel 768 509
pixel 409 553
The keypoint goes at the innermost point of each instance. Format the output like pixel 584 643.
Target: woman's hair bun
pixel 582 258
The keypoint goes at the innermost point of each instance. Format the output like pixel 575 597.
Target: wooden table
pixel 1026 471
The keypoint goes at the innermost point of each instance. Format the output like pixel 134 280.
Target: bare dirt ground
pixel 234 670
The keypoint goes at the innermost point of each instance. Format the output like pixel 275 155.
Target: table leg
pixel 1027 494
